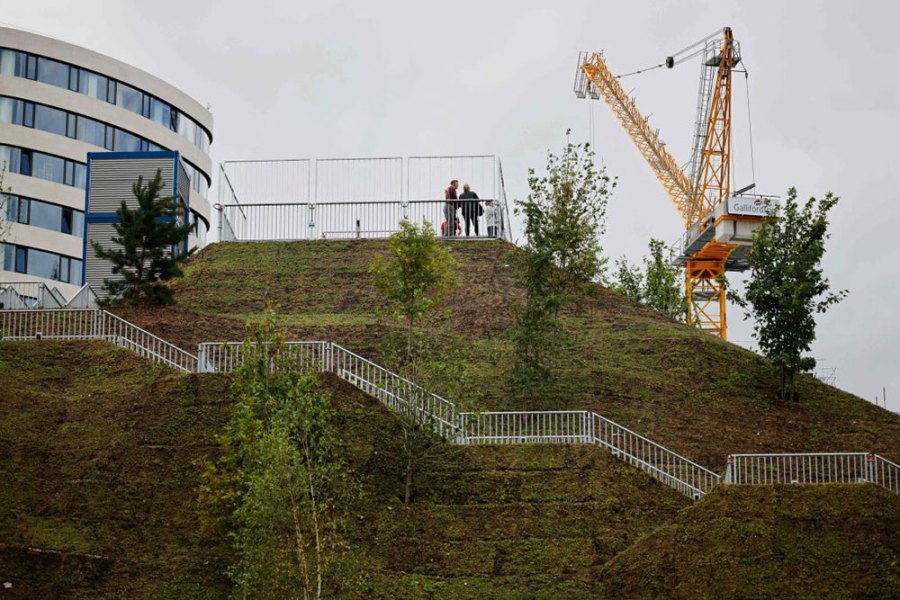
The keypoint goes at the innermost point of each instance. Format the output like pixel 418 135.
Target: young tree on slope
pixel 659 285
pixel 787 286
pixel 279 486
pixel 414 281
pixel 144 248
pixel 564 218
pixel 416 277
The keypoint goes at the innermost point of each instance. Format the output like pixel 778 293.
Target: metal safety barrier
pixel 361 220
pixel 225 357
pixel 357 198
pixel 396 392
pixel 92 324
pixel 567 427
pixel 807 468
pixel 24 295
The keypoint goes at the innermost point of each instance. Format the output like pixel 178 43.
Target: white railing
pixel 526 427
pixel 810 467
pixel 287 200
pixel 87 324
pixel 669 467
pixel 396 392
pixel 585 427
pixel 25 295
pixel 225 357
pixel 361 220
pixel 885 473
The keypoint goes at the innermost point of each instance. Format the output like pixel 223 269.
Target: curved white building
pixel 58 102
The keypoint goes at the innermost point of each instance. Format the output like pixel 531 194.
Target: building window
pixel 43 166
pixel 92 84
pixel 83 81
pixel 53 72
pixel 129 98
pixel 31 67
pixel 51 120
pixel 45 215
pixel 73 79
pixel 125 142
pixel 21 260
pixel 28 114
pixel 91 132
pixel 46 166
pixel 40 263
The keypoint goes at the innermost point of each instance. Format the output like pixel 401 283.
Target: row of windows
pixel 45 215
pixel 39 263
pixel 82 81
pixel 90 131
pixel 43 166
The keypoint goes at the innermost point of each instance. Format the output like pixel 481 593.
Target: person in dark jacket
pixel 471 208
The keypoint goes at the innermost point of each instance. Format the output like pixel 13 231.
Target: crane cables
pixel 695 49
pixel 749 123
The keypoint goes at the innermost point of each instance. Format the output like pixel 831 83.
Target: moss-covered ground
pixel 825 541
pixel 99 453
pixel 690 391
pixel 100 467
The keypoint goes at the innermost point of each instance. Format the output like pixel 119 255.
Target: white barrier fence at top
pixel 439 414
pixel 37 294
pixel 341 198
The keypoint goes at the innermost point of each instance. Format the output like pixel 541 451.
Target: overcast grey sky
pixel 344 79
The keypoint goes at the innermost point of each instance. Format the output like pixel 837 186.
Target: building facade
pixel 59 102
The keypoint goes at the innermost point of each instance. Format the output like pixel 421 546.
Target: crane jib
pixel 718 232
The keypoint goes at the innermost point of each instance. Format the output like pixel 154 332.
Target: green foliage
pixel 564 215
pixel 142 252
pixel 416 277
pixel 659 285
pixel 787 287
pixel 564 218
pixel 628 280
pixel 279 483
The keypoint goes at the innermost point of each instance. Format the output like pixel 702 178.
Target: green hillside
pixel 96 457
pixel 687 390
pixel 99 453
pixel 99 467
pixel 828 541
pixel 99 461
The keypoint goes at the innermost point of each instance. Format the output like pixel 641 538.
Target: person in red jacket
pixel 450 207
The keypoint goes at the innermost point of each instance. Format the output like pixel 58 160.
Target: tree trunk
pixel 408 475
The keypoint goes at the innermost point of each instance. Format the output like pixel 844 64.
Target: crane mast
pixel 717 233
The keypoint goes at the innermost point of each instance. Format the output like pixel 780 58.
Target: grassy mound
pixel 694 393
pixel 99 463
pixel 828 541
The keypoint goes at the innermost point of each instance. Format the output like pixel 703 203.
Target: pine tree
pixel 144 251
pixel 787 286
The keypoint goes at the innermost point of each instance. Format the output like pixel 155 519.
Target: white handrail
pixel 83 324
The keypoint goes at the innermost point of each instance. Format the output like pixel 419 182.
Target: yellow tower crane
pixel 718 225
